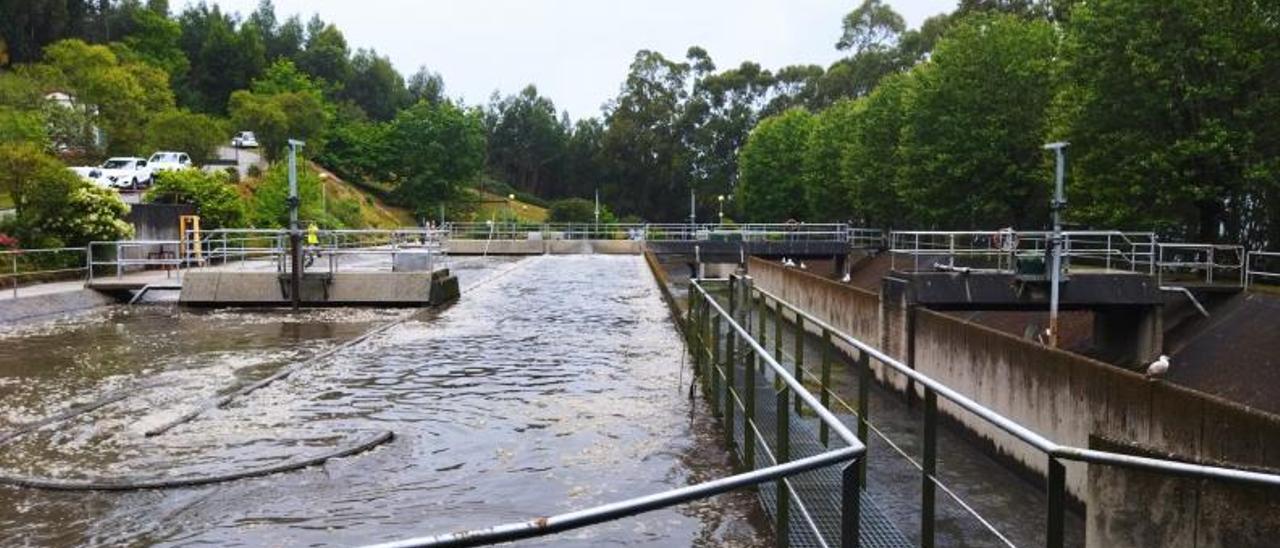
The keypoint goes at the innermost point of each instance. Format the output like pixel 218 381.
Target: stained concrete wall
pixel 219 288
pixel 1075 400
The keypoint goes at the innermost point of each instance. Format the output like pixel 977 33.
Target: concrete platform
pixel 269 289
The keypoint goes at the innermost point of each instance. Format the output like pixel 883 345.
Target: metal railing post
pixel 714 370
pixel 730 365
pixel 929 465
pixel 799 354
pixel 784 455
pixel 749 413
pixel 1057 503
pixel 15 275
pixel 777 331
pixel 824 386
pixel 850 503
pixel 762 309
pixel 864 391
pixel 119 258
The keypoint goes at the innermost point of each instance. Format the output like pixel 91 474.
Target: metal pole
pixel 784 455
pixel 1057 495
pixel 1059 203
pixel 824 385
pixel 15 275
pixel 850 504
pixel 928 468
pixel 295 236
pixel 693 215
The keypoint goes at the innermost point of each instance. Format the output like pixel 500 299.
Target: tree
pixel 770 187
pixel 871 26
pixel 283 105
pixel 870 164
pixel 326 56
pixel 426 85
pixel 642 145
pixel 213 195
pixel 224 57
pixel 1170 108
pixel 828 193
pixel 439 148
pixel 375 86
pixel 198 135
pixel 577 210
pixel 526 141
pixel 971 142
pixel 122 96
pixel 54 206
pixel 269 207
pixel 155 40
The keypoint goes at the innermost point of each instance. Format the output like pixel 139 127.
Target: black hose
pixel 136 484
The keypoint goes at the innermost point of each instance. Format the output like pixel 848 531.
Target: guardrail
pixel 48 264
pixel 708 329
pixel 998 250
pixel 1202 263
pixel 1262 264
pixel 653 232
pixel 1055 454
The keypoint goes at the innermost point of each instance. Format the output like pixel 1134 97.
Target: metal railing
pixel 1264 265
pixel 998 250
pixel 1202 263
pixel 708 329
pixel 660 232
pixel 1055 454
pixel 41 265
pixel 267 247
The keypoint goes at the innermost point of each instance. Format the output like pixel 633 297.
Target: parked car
pixel 124 173
pixel 245 139
pixel 169 161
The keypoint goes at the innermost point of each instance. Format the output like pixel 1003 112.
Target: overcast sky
pixel 577 51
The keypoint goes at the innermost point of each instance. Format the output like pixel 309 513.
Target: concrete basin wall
pixel 540 247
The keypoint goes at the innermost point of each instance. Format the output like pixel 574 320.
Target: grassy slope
pixel 5 201
pixel 375 212
pixel 495 206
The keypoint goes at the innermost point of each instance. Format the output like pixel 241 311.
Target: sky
pixel 577 51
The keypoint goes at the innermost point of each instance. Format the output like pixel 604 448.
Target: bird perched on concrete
pixel 787 262
pixel 1159 367
pixel 803 266
pixel 846 278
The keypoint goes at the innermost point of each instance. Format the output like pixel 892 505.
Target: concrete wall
pixel 229 288
pixel 38 306
pixel 157 221
pixel 1076 401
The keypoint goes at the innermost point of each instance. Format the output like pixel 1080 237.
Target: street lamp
pixel 720 212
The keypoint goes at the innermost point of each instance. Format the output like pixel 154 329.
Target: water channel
pixel 553 385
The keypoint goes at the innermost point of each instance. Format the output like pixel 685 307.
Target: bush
pixel 577 210
pixel 55 207
pixel 215 199
pixel 196 134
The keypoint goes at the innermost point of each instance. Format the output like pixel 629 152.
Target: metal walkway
pixel 818 491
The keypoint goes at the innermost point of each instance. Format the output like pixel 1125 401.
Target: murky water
pixel 553 385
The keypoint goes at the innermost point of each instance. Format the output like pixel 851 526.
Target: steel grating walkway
pixel 818 490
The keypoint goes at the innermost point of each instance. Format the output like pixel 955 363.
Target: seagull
pixel 1159 367
pixel 846 278
pixel 803 266
pixel 787 262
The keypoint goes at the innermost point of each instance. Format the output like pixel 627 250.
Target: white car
pixel 123 173
pixel 169 161
pixel 245 139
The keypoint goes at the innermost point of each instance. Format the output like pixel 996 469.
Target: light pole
pixel 295 235
pixel 720 211
pixel 1058 204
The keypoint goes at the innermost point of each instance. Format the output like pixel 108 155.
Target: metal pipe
pixel 582 518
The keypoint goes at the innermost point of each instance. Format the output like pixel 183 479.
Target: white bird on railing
pixel 803 266
pixel 1159 367
pixel 846 278
pixel 787 262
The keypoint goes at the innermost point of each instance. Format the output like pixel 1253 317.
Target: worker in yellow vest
pixel 313 243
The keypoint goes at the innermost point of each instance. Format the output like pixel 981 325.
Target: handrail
pixel 1027 435
pixel 14 273
pixel 1252 270
pixel 542 526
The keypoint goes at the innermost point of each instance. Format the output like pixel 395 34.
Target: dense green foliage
pixel 196 134
pixel 54 207
pixel 216 201
pixel 578 210
pixel 1169 106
